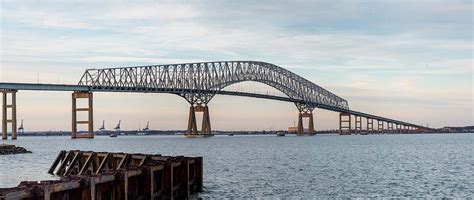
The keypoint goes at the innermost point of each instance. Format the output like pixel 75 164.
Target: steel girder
pixel 200 81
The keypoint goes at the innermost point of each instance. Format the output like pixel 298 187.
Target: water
pixel 281 167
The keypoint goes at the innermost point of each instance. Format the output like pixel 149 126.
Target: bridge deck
pixel 64 87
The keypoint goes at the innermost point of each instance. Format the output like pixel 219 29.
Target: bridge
pixel 198 83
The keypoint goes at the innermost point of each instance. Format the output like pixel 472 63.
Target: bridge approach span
pixel 83 88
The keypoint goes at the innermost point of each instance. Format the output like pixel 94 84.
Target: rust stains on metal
pixel 103 175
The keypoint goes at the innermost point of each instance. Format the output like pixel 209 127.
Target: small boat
pixel 113 135
pixel 231 134
pixel 280 134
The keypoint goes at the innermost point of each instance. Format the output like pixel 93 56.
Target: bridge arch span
pixel 198 82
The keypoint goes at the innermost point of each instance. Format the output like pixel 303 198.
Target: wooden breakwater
pixel 102 175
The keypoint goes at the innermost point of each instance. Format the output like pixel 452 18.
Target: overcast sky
pixel 399 59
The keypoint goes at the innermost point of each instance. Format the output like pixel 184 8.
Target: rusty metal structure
pixel 103 175
pixel 198 83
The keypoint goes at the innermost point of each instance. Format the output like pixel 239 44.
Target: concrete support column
pixel 345 124
pixel 90 115
pixel 13 119
pixel 370 125
pixel 300 129
pixel 358 124
pixel 192 125
pixel 206 122
pixel 380 126
pixel 73 118
pixel 390 127
pixel 4 116
pixel 311 129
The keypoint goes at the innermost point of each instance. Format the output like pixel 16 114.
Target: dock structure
pixel 102 175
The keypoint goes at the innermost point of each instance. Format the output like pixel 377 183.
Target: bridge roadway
pixel 82 88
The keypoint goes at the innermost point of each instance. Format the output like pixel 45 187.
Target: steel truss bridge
pixel 198 83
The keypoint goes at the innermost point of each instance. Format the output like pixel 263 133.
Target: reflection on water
pixel 270 166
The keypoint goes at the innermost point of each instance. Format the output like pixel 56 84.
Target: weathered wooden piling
pixel 102 175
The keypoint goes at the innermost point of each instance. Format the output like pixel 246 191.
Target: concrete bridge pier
pixel 370 125
pixel 300 129
pixel 192 131
pixel 390 127
pixel 12 107
pixel 380 127
pixel 345 124
pixel 358 124
pixel 90 116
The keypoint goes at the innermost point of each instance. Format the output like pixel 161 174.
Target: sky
pixel 411 61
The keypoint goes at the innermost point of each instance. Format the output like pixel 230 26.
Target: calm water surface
pixel 282 167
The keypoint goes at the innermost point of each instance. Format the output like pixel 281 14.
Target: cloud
pixel 43 19
pixel 150 11
pixel 366 49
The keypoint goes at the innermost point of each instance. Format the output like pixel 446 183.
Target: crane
pixel 147 127
pixel 117 128
pixel 21 128
pixel 102 128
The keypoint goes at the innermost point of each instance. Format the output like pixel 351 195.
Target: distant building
pixel 293 129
